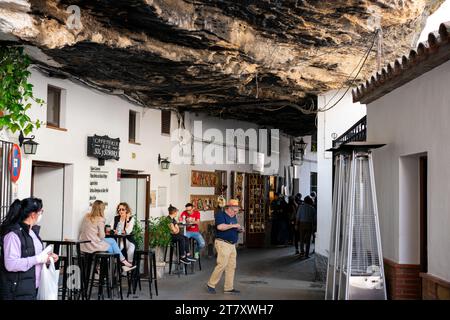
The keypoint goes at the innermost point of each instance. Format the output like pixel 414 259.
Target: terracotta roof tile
pixel 428 55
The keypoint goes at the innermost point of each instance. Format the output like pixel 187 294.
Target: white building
pixel 67 179
pixel 331 124
pixel 408 108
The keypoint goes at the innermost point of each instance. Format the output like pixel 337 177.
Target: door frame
pixel 54 165
pixel 423 216
pixel 147 201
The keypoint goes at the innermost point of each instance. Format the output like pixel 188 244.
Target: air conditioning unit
pixel 259 165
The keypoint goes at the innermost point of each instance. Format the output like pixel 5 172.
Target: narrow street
pixel 261 274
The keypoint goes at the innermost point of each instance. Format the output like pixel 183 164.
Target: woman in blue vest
pixel 22 254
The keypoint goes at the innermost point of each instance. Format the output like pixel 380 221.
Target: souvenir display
pixel 256 203
pixel 204 202
pixel 203 179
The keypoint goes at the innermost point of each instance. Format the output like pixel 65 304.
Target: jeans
pixel 198 237
pixel 184 244
pixel 114 247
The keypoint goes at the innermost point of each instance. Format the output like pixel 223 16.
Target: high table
pixel 69 244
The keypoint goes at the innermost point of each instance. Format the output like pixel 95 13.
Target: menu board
pixel 98 185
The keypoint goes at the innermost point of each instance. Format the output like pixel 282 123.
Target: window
pixel 132 127
pixel 54 106
pixel 165 122
pixel 313 184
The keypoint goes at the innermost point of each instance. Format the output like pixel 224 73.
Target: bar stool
pixel 192 243
pixel 136 275
pixel 174 247
pixel 110 274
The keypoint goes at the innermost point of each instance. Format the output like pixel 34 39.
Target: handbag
pixel 48 287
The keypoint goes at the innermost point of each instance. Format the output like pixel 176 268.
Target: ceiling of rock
pixel 256 60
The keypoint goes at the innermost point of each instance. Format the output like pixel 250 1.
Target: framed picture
pixel 203 179
pixel 204 202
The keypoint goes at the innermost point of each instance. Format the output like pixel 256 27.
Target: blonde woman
pixel 124 224
pixel 93 229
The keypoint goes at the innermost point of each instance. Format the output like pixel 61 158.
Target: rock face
pixel 258 60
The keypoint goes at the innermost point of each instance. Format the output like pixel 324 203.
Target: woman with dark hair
pixel 22 252
pixel 178 237
pixel 124 224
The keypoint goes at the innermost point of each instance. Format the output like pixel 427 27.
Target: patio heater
pixel 355 264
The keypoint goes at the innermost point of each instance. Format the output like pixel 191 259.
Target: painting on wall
pixel 203 179
pixel 204 202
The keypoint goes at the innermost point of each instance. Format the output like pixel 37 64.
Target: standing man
pixel 225 244
pixel 306 219
pixel 193 217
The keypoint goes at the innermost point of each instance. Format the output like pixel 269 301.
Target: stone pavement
pixel 272 274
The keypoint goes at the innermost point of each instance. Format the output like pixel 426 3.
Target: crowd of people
pixel 23 254
pixel 294 221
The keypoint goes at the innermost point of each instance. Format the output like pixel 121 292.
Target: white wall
pixel 309 165
pixel 183 172
pixel 88 112
pixel 337 120
pixel 414 119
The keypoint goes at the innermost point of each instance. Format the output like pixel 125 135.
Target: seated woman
pixel 178 237
pixel 93 229
pixel 124 222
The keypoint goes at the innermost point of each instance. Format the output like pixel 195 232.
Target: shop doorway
pixel 48 184
pixel 423 177
pixel 135 190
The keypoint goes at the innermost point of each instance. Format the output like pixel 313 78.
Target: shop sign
pixel 103 148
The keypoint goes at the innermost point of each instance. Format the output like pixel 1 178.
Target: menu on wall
pixel 98 185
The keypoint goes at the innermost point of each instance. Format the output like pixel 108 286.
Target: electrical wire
pixel 324 108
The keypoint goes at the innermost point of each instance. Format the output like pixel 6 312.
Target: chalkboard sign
pixel 103 147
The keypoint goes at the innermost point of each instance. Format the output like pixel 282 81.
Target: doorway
pixel 135 190
pixel 48 184
pixel 423 216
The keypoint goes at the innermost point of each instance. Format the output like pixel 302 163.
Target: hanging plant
pixel 15 91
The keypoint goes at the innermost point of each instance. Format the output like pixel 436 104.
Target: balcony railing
pixel 356 133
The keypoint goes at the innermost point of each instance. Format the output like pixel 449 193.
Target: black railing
pixel 358 132
pixel 5 183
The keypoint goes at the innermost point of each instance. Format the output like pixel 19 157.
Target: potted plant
pixel 159 239
pixel 138 234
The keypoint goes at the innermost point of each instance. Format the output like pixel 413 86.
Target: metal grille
pixel 365 257
pixel 355 267
pixel 5 183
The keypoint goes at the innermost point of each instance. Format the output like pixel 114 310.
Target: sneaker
pixel 211 289
pixel 185 261
pixel 191 259
pixel 233 291
pixel 196 255
pixel 127 269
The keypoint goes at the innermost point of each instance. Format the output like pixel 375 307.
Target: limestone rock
pixel 238 59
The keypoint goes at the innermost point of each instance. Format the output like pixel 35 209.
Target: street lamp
pixel 29 145
pixel 164 162
pixel 299 149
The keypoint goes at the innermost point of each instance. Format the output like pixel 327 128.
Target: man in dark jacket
pixel 306 220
